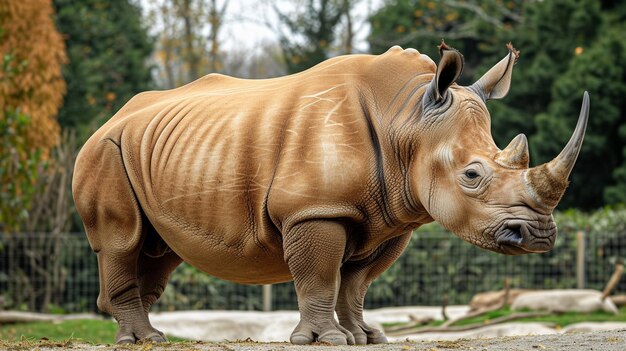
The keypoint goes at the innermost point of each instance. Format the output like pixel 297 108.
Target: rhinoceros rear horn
pixel 515 155
pixel 496 82
pixel 448 71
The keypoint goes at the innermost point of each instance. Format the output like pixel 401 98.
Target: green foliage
pixel 20 168
pixel 604 220
pixel 600 70
pixel 467 26
pixel 543 60
pixel 316 26
pixel 107 47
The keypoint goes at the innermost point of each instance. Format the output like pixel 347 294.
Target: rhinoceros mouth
pixel 518 237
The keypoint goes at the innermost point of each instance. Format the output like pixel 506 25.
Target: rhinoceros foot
pixel 376 337
pixel 364 334
pixel 128 336
pixel 336 334
pixel 334 337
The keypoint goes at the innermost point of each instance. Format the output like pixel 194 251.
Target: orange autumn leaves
pixel 32 52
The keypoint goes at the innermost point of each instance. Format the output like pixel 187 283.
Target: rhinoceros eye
pixel 471 174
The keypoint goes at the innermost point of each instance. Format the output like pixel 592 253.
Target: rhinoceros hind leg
pixel 355 279
pixel 313 252
pixel 154 273
pixel 116 230
pixel 120 293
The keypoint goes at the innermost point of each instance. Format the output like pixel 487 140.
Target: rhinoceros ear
pixel 496 82
pixel 448 71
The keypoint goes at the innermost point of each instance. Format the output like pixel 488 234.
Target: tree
pixel 216 19
pixel 30 79
pixel 264 62
pixel 544 59
pixel 309 32
pixel 108 49
pixel 469 26
pixel 600 173
pixel 20 168
pixel 31 90
pixel 188 44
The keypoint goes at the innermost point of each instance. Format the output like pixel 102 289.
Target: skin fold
pixel 317 177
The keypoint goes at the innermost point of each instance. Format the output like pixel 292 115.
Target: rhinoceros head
pixel 487 196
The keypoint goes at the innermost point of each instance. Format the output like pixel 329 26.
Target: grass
pixel 103 331
pixel 90 330
pixel 572 317
pixel 559 320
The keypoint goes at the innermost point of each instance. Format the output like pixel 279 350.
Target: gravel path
pixel 611 340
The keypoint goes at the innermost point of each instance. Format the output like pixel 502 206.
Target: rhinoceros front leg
pixel 313 252
pixel 355 280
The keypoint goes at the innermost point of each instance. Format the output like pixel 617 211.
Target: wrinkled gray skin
pixel 319 177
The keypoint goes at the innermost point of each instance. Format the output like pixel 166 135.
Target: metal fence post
pixel 580 260
pixel 267 297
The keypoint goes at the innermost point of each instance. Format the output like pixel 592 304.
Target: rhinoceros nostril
pixel 510 235
pixel 517 237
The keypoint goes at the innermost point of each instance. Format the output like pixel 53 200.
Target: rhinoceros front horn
pixel 549 180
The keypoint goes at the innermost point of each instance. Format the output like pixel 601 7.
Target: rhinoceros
pixel 317 177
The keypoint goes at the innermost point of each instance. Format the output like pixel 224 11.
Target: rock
pixel 490 299
pixel 585 301
pixel 407 313
pixel 508 329
pixel 227 325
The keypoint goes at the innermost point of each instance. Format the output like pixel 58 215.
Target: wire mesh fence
pixel 58 273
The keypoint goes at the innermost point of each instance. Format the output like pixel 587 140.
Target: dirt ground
pixel 597 341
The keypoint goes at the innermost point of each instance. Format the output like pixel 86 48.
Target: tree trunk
pixel 349 35
pixel 191 55
pixel 216 19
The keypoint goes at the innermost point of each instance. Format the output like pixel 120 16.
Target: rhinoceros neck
pixel 392 123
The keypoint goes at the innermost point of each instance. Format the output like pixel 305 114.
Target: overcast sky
pixel 246 17
pixel 248 22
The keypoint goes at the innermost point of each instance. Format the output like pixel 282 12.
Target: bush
pixel 20 168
